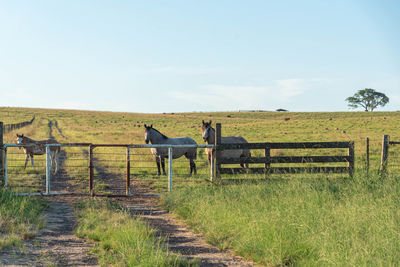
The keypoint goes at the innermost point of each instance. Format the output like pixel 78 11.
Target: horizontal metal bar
pixel 119 145
pixel 394 143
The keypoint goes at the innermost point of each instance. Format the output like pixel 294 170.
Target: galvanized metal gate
pixel 97 169
pixel 390 156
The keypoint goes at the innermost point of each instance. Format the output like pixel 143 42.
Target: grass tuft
pixel 20 218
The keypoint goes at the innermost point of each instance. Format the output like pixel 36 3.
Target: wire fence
pixel 394 159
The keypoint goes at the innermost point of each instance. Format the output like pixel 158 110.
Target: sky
pixel 210 55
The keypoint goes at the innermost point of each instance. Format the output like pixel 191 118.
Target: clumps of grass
pixel 20 218
pixel 122 240
pixel 300 221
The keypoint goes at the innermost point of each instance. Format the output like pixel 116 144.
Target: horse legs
pixel 26 160
pixel 163 165
pixel 158 165
pixel 54 161
pixel 32 161
pixel 192 167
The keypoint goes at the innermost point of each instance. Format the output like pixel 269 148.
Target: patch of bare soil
pixel 55 245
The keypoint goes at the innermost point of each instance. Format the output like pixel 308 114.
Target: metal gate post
pixel 91 191
pixel 48 167
pixel 212 165
pixel 169 169
pixel 128 169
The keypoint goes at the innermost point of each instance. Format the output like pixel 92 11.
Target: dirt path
pixel 56 244
pixel 180 239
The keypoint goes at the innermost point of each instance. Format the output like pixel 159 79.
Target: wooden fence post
pixel 267 161
pixel 351 160
pixel 1 152
pixel 385 153
pixel 91 191
pixel 367 156
pixel 217 150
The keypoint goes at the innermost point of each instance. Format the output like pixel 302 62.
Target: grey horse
pixel 153 136
pixel 208 133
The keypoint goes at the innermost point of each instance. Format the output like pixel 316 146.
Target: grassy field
pixel 122 240
pixel 313 221
pixel 305 222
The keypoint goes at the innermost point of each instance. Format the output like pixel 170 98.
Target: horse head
pixel 147 133
pixel 20 138
pixel 205 130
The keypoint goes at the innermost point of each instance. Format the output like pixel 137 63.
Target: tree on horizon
pixel 367 98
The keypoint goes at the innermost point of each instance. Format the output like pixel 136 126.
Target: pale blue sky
pixel 176 56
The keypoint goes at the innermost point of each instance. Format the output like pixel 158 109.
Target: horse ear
pixel 203 121
pixel 145 126
pixel 210 122
pixel 151 126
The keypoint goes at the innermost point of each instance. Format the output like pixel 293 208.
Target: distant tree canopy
pixel 367 98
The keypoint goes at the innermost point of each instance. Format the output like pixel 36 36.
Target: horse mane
pixel 163 135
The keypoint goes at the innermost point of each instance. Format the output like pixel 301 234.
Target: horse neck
pixel 27 140
pixel 211 137
pixel 157 138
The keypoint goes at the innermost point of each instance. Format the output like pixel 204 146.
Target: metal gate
pixel 99 169
pixel 390 156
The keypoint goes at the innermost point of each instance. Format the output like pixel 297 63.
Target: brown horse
pixel 208 134
pixel 39 148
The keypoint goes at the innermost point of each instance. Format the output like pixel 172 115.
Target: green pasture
pixel 302 219
pixel 300 222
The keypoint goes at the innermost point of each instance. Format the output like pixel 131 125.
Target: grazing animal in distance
pixel 153 136
pixel 34 147
pixel 208 133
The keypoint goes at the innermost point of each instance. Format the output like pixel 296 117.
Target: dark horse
pixel 155 137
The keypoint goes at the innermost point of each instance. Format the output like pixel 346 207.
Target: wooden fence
pixel 14 126
pixel 268 160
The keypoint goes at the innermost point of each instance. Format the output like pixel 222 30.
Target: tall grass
pixel 20 217
pixel 304 222
pixel 122 240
